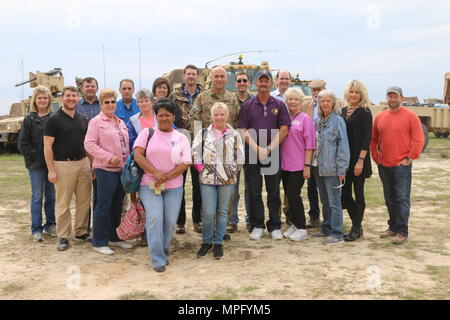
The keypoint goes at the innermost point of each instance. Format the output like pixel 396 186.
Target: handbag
pixel 132 224
pixel 131 172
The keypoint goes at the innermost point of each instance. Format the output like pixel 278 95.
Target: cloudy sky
pixel 382 43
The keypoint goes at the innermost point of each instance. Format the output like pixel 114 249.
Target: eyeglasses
pixel 340 186
pixel 265 111
pixel 241 80
pixel 109 102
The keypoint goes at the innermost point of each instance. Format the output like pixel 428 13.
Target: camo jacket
pixel 183 119
pixel 204 102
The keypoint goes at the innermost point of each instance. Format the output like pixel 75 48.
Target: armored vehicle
pixel 10 124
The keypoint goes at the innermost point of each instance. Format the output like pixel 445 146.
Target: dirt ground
pixel 370 268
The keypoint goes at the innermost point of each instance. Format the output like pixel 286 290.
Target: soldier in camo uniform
pixel 184 97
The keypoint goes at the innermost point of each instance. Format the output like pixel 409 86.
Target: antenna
pixel 140 80
pixel 239 52
pixel 23 79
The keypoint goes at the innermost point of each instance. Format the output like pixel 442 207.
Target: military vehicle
pixel 10 124
pixel 175 77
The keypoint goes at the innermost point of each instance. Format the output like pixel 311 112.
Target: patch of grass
pixel 138 295
pixel 225 294
pixel 12 287
pixel 248 289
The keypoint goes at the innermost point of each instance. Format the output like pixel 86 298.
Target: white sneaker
pixel 104 250
pixel 298 235
pixel 289 231
pixel 276 235
pixel 257 233
pixel 121 244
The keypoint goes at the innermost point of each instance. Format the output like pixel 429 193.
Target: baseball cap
pixel 396 90
pixel 262 73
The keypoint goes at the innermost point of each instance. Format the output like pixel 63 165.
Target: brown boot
pixel 399 239
pixel 388 234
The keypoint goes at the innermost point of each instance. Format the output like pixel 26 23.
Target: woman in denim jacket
pixel 331 160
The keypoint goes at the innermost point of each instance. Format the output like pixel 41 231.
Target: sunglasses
pixel 241 80
pixel 109 102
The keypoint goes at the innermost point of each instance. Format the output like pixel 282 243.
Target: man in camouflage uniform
pixel 217 93
pixel 201 112
pixel 184 96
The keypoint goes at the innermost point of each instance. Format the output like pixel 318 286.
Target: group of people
pixel 277 136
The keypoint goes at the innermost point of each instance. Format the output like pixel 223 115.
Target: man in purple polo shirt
pixel 264 122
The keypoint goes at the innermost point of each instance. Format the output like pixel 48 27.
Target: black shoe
pixel 63 244
pixel 160 269
pixel 85 237
pixel 313 224
pixel 232 228
pixel 226 237
pixel 218 251
pixel 355 233
pixel 204 249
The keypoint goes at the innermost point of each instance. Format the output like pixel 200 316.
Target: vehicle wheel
pixel 438 134
pixel 445 134
pixel 425 136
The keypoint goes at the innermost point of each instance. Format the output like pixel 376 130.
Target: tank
pixel 175 77
pixel 10 124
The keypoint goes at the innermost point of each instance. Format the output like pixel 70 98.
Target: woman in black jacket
pixel 31 145
pixel 358 118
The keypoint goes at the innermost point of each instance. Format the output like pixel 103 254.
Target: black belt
pixel 71 158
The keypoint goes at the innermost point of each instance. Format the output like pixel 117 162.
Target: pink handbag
pixel 132 224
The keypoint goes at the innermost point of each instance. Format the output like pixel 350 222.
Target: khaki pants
pixel 72 177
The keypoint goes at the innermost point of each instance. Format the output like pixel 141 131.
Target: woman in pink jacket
pixel 107 144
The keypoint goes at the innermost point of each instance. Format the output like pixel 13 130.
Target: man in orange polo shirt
pixel 397 139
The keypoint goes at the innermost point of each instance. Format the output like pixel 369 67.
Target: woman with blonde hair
pixel 218 154
pixel 296 156
pixel 31 145
pixel 107 143
pixel 358 117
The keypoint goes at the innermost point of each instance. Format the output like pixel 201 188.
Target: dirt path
pixel 370 268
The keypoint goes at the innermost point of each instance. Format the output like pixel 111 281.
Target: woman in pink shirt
pixel 106 142
pixel 296 154
pixel 164 159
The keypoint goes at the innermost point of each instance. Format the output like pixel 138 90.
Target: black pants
pixel 355 206
pixel 292 184
pixel 254 176
pixel 196 199
pixel 313 197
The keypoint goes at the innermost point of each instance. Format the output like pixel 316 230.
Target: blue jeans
pixel 108 210
pixel 216 203
pixel 331 204
pixel 40 187
pixel 397 190
pixel 162 213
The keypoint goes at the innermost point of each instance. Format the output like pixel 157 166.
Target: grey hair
pixel 294 92
pixel 327 93
pixel 144 93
